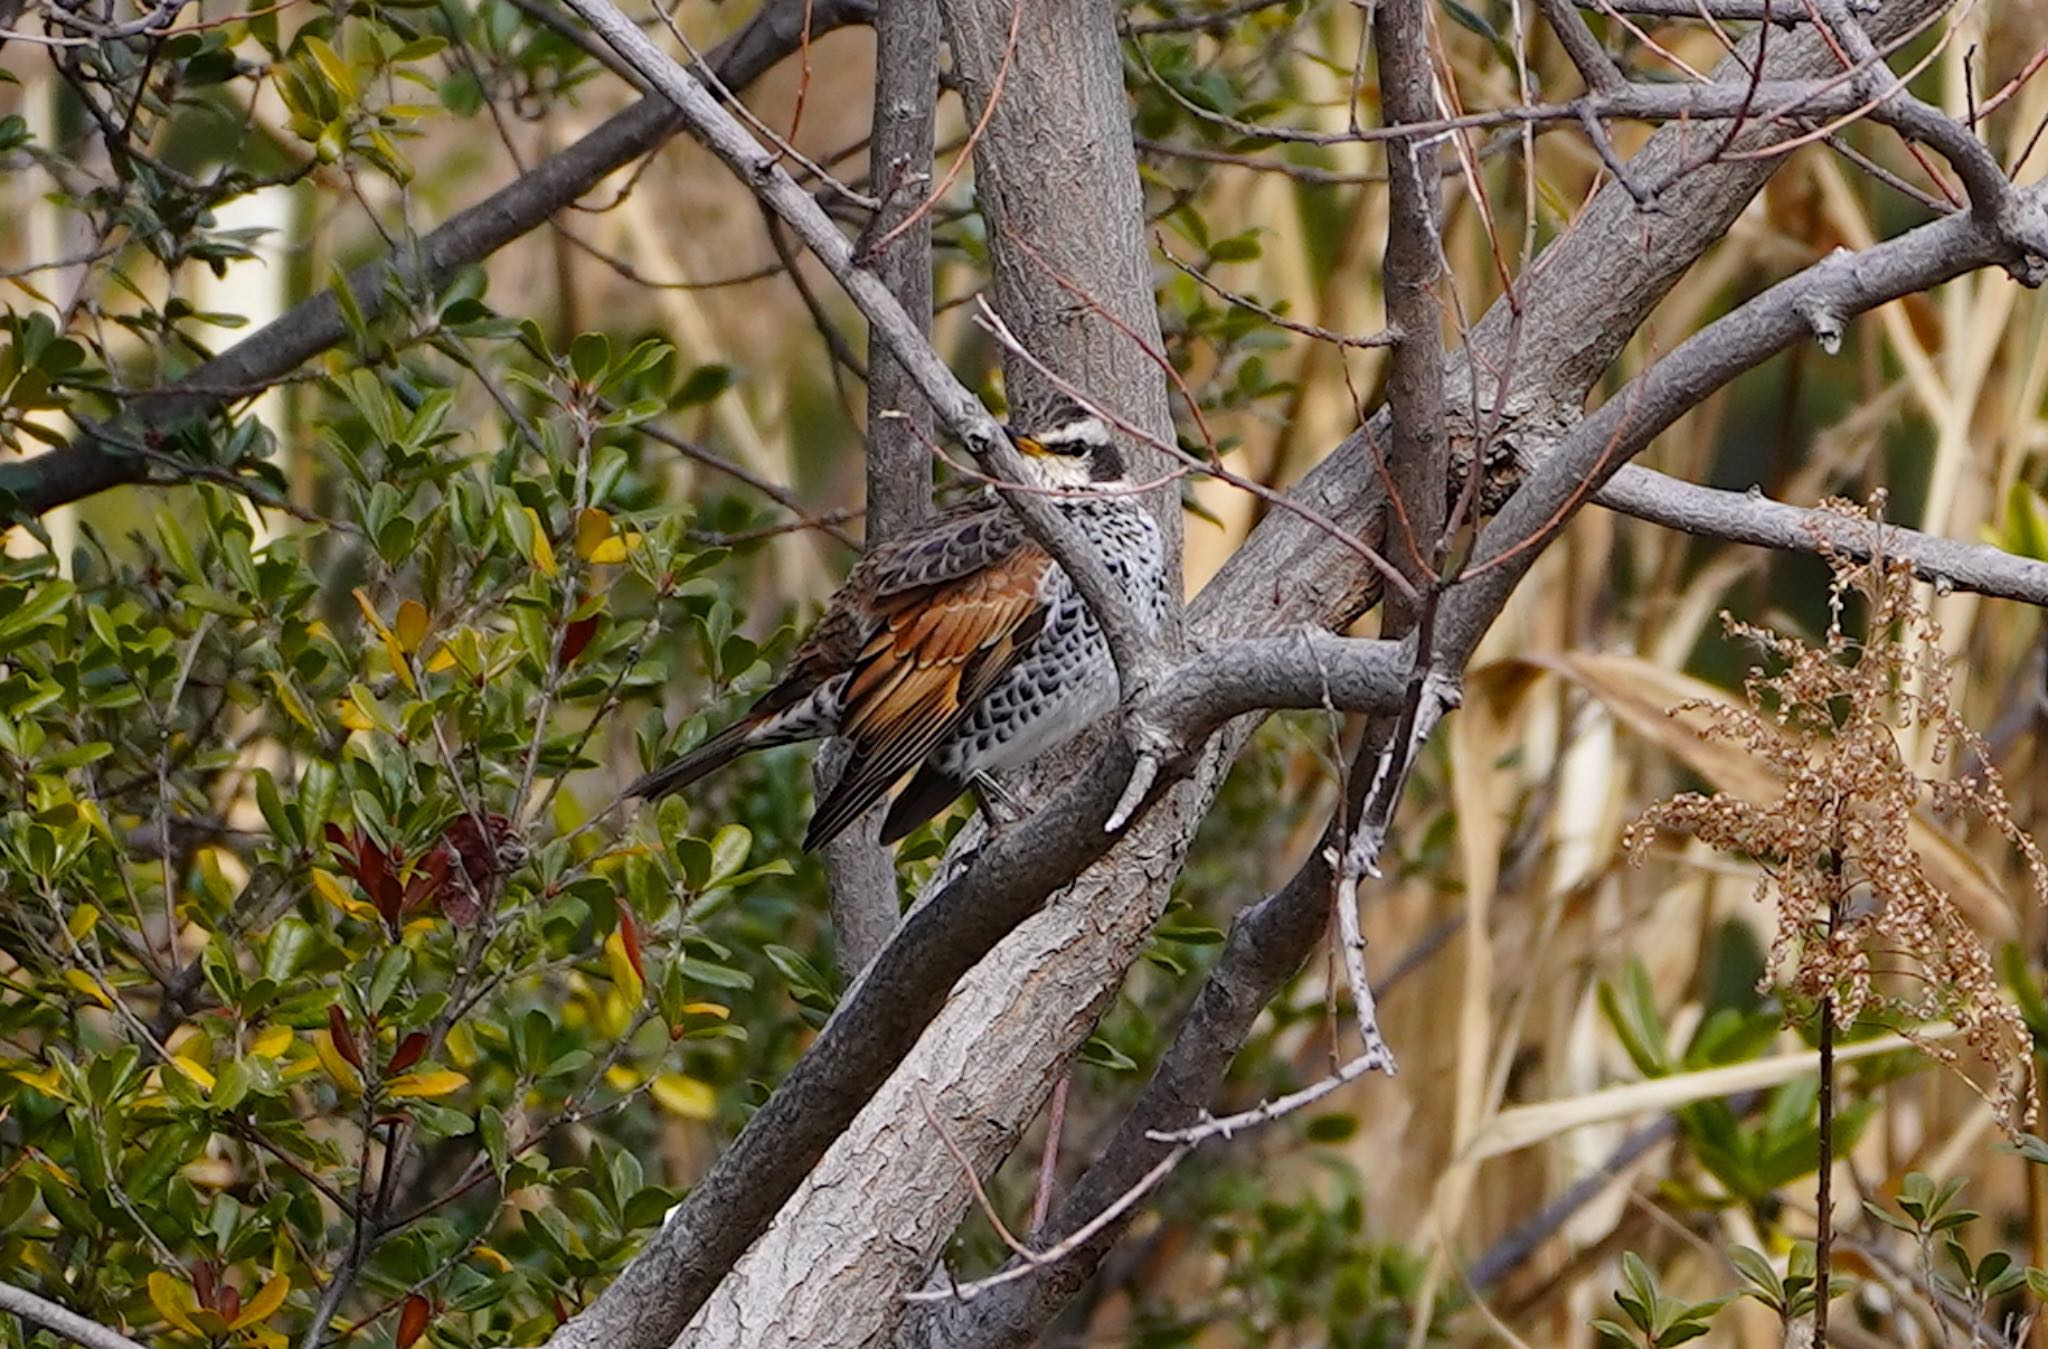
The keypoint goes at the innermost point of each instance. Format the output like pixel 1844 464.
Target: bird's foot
pixel 999 804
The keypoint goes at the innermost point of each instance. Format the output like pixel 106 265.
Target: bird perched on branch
pixel 959 648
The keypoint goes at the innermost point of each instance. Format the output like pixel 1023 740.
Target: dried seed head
pixel 1836 845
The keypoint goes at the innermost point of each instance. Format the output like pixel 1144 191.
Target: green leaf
pixel 45 601
pixel 290 942
pixel 589 354
pixel 702 385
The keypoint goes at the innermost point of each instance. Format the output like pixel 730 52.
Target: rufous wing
pixel 937 650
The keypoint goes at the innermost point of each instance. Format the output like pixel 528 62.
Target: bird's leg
pixel 998 802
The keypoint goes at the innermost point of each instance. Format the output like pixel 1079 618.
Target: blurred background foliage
pixel 307 878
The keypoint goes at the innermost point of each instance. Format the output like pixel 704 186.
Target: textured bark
pixel 859 871
pixel 899 468
pixel 1057 179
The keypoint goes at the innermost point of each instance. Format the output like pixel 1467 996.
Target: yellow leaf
pixel 615 548
pixel 84 983
pixel 437 1083
pixel 593 531
pixel 619 1077
pixel 685 1096
pixel 57 1174
pixel 411 625
pixel 83 919
pixel 267 1300
pixel 620 966
pixel 723 1013
pixel 360 712
pixel 442 659
pixel 340 1069
pixel 91 812
pixel 294 706
pixel 543 551
pixel 504 1265
pixel 195 1071
pixel 272 1042
pixel 369 609
pixel 48 1082
pixel 338 72
pixel 328 886
pixel 461 1044
pixel 169 1298
pixel 400 666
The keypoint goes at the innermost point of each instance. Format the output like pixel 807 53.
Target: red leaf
pixel 484 850
pixel 339 837
pixel 412 1320
pixel 408 1052
pixel 374 872
pixel 575 637
pixel 344 1039
pixel 230 1302
pixel 202 1283
pixel 428 879
pixel 629 936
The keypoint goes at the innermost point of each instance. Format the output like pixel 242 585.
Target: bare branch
pixel 87 466
pixel 1595 66
pixel 1783 12
pixel 60 1320
pixel 1751 517
pixel 1817 302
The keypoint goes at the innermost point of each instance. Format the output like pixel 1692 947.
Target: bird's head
pixel 1065 445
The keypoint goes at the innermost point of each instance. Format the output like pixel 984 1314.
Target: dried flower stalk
pixel 1835 845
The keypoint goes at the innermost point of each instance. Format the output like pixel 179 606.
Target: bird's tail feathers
pixel 704 760
pixel 930 792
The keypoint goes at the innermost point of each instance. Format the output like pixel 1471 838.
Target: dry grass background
pixel 1506 1095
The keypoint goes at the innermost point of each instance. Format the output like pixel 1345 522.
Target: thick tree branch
pixel 1267 943
pixel 1057 180
pixel 38 1311
pixel 87 466
pixel 899 467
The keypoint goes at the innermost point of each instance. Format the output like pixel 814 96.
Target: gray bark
pixel 1057 179
pixel 859 871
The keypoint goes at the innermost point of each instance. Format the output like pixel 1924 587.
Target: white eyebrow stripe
pixel 1089 430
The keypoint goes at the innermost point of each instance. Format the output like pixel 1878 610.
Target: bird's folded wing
pixel 956 546
pixel 938 649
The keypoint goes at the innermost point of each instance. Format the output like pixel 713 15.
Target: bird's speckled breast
pixel 1067 680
